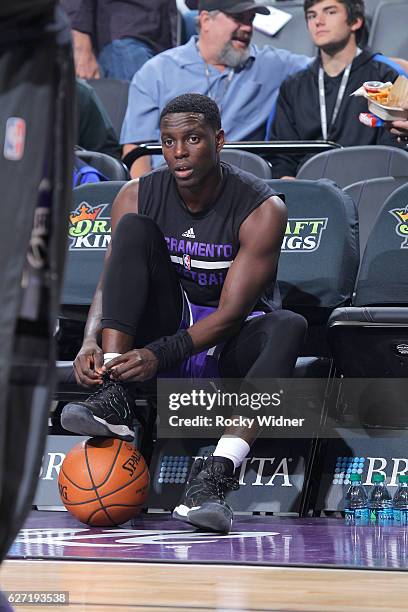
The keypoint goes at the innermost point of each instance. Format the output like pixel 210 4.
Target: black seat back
pixel 352 164
pixel 388 31
pixel 89 234
pixel 383 277
pixel 320 256
pixel 114 96
pixel 369 197
pixel 248 161
pixel 112 168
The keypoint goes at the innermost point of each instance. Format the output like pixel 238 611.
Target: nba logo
pixel 187 262
pixel 15 138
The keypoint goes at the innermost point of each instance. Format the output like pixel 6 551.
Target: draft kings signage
pixel 401 229
pixel 89 228
pixel 303 234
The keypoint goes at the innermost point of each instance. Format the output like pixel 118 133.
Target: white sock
pixel 232 448
pixel 109 356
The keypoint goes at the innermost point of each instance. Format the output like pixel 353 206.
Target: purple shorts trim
pixel 204 364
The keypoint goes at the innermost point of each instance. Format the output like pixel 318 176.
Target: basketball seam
pixel 102 497
pixel 94 486
pixel 91 488
pixel 90 517
pixel 112 466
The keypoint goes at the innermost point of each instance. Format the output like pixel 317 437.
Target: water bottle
pixel 356 502
pixel 380 502
pixel 400 501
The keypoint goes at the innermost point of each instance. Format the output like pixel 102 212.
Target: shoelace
pixel 218 484
pixel 108 384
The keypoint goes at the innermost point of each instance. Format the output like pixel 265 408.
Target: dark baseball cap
pixel 228 6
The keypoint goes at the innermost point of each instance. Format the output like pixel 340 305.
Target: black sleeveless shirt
pixel 203 245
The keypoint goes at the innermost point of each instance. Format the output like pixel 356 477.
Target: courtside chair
pixel 353 164
pixel 369 197
pixel 370 339
pixel 318 262
pixel 89 235
pixel 316 274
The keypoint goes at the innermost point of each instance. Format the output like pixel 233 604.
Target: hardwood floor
pixel 157 587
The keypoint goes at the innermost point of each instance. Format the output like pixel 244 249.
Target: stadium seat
pixel 369 197
pixel 388 33
pixel 352 164
pixel 113 94
pixel 110 167
pixel 370 339
pixel 319 258
pixel 89 235
pixel 247 161
pixel 293 36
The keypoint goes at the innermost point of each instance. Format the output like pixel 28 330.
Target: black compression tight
pixel 142 298
pixel 141 295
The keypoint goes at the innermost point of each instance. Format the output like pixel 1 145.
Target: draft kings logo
pixel 89 228
pixel 303 234
pixel 401 214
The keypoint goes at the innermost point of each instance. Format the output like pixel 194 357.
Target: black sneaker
pixel 203 504
pixel 107 412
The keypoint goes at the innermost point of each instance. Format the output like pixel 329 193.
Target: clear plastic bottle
pixel 356 502
pixel 400 501
pixel 380 502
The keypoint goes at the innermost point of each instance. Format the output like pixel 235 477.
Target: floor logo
pixel 401 214
pixel 88 228
pixel 126 538
pixel 303 234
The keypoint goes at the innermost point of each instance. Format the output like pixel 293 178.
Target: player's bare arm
pixel 253 270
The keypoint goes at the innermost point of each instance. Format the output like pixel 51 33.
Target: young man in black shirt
pixel 201 237
pixel 315 104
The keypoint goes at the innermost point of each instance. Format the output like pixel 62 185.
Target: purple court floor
pixel 260 540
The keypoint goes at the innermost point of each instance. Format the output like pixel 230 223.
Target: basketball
pixel 103 482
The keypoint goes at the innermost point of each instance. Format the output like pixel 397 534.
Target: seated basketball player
pixel 148 282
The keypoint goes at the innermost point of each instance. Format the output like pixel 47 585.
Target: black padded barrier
pixel 36 107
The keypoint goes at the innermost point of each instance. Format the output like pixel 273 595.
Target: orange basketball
pixel 103 482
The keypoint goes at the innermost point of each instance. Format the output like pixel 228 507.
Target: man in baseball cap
pixel 228 6
pixel 220 63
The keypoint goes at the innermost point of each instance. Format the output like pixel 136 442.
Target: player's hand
pixel 88 364
pixel 137 365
